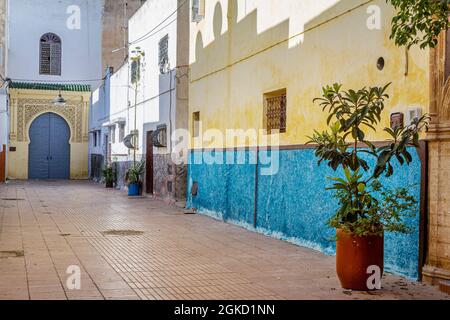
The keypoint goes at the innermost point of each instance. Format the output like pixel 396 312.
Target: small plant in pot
pixel 133 178
pixel 108 175
pixel 367 209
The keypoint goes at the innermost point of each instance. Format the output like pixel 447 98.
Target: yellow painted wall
pixel 76 115
pixel 79 161
pixel 18 161
pixel 253 47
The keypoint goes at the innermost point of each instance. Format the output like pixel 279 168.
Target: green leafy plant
pixel 366 207
pixel 419 21
pixel 108 174
pixel 135 172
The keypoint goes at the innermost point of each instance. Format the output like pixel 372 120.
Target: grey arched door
pixel 49 149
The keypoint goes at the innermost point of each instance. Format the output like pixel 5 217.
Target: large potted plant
pixel 366 208
pixel 108 175
pixel 133 178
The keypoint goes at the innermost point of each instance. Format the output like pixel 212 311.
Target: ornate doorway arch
pixel 49 148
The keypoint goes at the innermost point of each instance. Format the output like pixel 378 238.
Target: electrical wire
pixel 160 29
pixel 149 33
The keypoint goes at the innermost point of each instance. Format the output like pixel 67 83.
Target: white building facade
pixel 78 24
pixel 53 48
pixel 161 98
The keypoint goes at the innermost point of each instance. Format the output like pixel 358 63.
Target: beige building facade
pixel 27 103
pixel 438 251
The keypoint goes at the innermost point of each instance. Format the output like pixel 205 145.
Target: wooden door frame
pixel 149 178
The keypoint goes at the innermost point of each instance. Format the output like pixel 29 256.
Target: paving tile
pixel 172 255
pixel 45 289
pixel 80 294
pixel 48 296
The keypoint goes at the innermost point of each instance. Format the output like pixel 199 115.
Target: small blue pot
pixel 133 189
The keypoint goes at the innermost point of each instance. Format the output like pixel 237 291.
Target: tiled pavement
pixel 45 227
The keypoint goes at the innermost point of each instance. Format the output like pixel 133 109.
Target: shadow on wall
pixel 293 204
pixel 241 53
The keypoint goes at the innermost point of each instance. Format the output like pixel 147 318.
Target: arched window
pixel 50 55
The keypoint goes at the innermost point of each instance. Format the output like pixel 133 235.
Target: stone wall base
pixel 433 275
pixel 169 180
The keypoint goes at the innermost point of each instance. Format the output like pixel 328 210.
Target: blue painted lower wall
pixel 292 204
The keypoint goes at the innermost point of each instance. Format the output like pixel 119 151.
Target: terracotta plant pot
pixel 354 256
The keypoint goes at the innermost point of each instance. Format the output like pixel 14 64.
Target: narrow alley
pixel 145 249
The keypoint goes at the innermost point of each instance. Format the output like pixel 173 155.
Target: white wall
pixel 97 116
pixel 81 48
pixel 119 109
pixel 153 97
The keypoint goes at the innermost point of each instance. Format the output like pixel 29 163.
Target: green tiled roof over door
pixel 51 86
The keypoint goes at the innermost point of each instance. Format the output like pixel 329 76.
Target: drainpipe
pixel 135 123
pixel 174 169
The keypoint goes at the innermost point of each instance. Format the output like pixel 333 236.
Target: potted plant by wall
pixel 367 208
pixel 133 178
pixel 108 175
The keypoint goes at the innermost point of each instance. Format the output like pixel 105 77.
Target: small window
pixel 135 70
pixel 50 55
pixel 112 134
pixel 94 136
pixel 275 111
pixel 121 132
pixel 196 124
pixel 164 54
pixel 198 10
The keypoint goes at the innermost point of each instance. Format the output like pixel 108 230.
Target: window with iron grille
pixel 275 111
pixel 97 136
pixel 163 53
pixel 135 70
pixel 198 10
pixel 50 55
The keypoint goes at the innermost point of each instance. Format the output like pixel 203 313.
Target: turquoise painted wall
pixel 293 204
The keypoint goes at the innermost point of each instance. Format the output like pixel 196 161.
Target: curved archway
pixel 29 122
pixel 49 148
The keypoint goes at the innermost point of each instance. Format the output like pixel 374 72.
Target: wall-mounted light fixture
pixel 59 100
